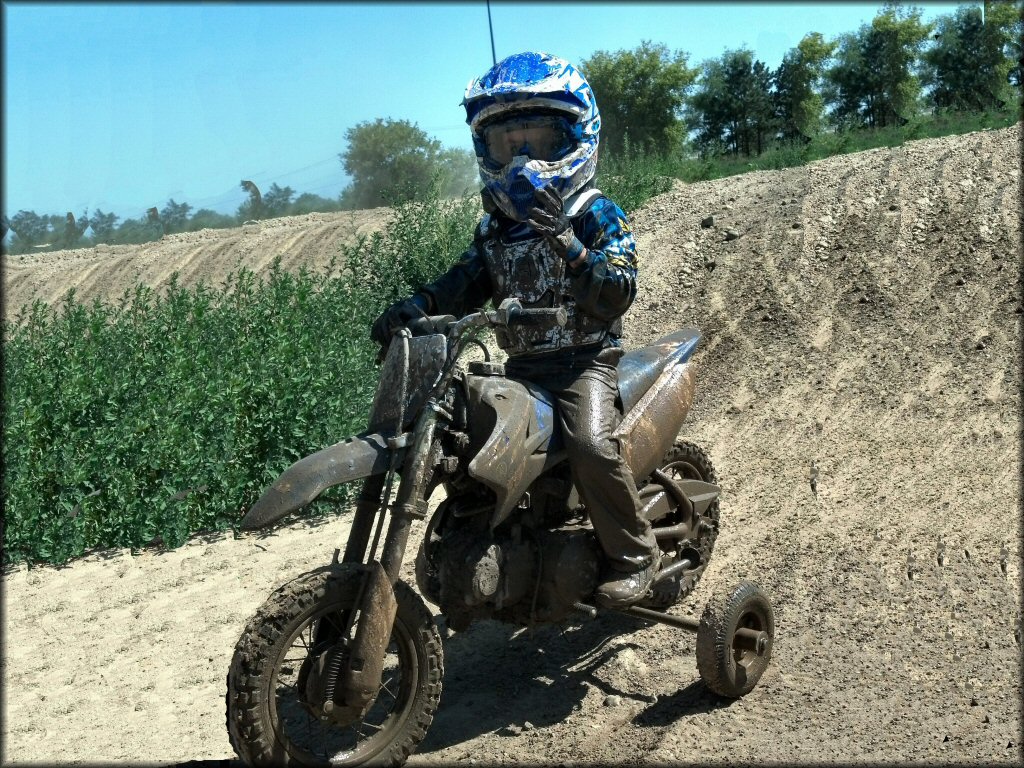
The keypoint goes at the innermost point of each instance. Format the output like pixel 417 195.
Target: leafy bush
pixel 632 178
pixel 169 413
pixel 827 144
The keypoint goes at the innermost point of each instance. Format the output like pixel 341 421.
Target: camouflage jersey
pixel 508 259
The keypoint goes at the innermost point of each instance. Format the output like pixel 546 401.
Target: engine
pixel 517 574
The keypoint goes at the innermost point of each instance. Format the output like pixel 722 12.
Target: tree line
pixel 33 232
pixel 890 71
pixel 390 161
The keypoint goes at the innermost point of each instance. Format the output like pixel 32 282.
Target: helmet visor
pixel 539 137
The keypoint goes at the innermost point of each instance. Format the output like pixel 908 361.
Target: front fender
pixel 307 478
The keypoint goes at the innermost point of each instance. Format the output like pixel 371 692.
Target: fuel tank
pixel 514 437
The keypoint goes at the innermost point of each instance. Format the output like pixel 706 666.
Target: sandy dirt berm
pixel 865 313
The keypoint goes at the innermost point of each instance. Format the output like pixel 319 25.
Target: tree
pixel 309 202
pixel 251 209
pixel 277 200
pixel 175 216
pixel 706 113
pixel 144 229
pixel 971 65
pixel 72 229
pixel 102 226
pixel 640 94
pixel 54 232
pixel 29 229
pixel 873 82
pixel 458 170
pixel 206 218
pixel 732 108
pixel 389 161
pixel 797 88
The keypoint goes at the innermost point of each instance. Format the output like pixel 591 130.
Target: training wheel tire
pixel 725 668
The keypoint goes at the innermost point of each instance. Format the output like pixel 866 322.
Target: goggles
pixel 539 137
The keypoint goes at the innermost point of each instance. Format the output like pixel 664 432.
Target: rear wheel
pixel 274 715
pixel 686 461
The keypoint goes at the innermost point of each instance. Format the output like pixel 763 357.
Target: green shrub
pixel 827 144
pixel 169 413
pixel 632 178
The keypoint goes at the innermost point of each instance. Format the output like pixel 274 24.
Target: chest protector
pixel 529 270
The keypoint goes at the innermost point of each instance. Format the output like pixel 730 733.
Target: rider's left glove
pixel 398 315
pixel 548 218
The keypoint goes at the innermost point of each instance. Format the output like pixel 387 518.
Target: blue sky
pixel 123 106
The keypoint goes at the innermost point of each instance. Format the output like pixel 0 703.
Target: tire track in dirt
pixel 886 322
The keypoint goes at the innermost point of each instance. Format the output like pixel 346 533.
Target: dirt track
pixel 866 317
pixel 107 271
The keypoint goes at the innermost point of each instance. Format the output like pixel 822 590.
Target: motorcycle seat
pixel 640 368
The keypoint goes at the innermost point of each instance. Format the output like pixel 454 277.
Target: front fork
pixel 360 679
pixel 410 501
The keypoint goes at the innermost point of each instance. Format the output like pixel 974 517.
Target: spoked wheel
pixel 734 640
pixel 686 461
pixel 275 708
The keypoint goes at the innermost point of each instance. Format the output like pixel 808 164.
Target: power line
pixel 331 159
pixel 237 198
pixel 225 198
pixel 233 198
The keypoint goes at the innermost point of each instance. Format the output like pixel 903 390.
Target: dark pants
pixel 586 388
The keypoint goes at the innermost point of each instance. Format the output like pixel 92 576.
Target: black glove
pixel 396 316
pixel 548 218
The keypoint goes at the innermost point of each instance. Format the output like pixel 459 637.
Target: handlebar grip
pixel 423 326
pixel 537 317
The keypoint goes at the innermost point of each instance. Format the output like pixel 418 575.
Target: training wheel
pixel 734 640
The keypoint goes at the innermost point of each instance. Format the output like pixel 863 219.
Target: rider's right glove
pixel 396 316
pixel 547 217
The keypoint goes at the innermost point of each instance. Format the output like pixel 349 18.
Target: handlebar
pixel 510 313
pixel 424 326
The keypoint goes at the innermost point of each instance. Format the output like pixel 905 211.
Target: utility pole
pixel 494 58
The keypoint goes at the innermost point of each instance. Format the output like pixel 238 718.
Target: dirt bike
pixel 344 665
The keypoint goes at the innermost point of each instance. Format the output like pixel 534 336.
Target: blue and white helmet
pixel 548 101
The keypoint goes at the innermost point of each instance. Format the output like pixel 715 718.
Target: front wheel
pixel 274 712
